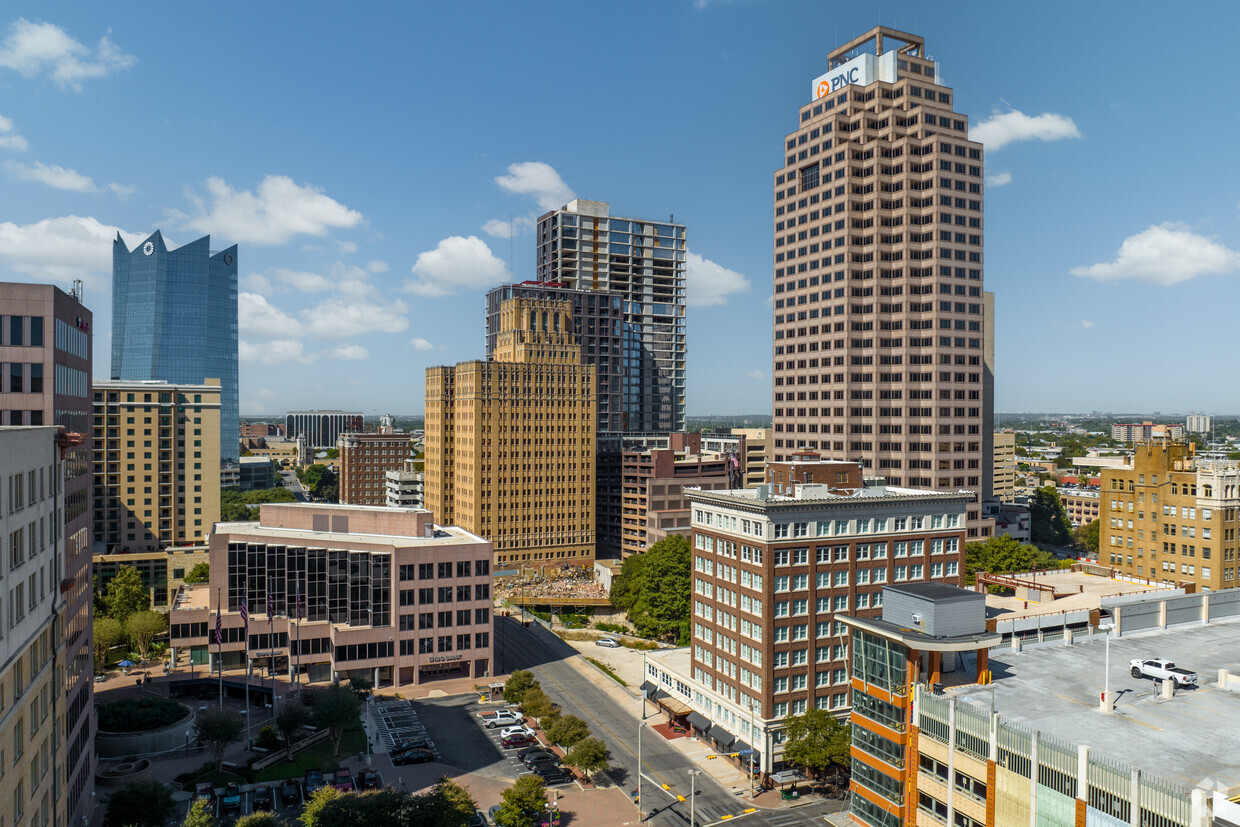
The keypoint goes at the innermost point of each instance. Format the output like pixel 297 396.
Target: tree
pixel 568 730
pixel 536 703
pixel 140 804
pixel 143 628
pixel 1003 554
pixel 318 806
pixel 654 589
pixel 361 687
pixel 447 803
pixel 517 684
pixel 290 719
pixel 1049 521
pixel 258 819
pixel 522 803
pixel 1085 537
pixel 816 739
pixel 126 594
pixel 336 709
pixel 108 633
pixel 589 755
pixel 217 729
pixel 200 573
pixel 201 814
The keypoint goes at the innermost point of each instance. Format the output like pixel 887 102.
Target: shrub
pixel 268 738
pixel 139 714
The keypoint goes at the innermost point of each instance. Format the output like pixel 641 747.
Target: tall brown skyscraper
pixel 880 349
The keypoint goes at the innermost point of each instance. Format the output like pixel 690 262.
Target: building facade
pixel 255 474
pixel 1171 517
pixel 406 486
pixel 880 343
pixel 1145 431
pixel 1005 467
pixel 157 474
pixel 321 428
pixel 510 442
pixel 654 502
pixel 261 430
pixel 1082 505
pixel 46 735
pixel 1199 423
pixel 46 344
pixel 174 319
pixel 772 571
pixel 339 591
pixel 598 322
pixel 365 460
pixel 163 572
pixel 584 247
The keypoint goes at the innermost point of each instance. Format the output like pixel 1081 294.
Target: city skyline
pixel 372 230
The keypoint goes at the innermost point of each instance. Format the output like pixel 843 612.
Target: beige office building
pixel 1005 467
pixel 880 350
pixel 157 470
pixel 510 442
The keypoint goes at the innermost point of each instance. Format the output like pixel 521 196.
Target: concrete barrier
pixel 122 744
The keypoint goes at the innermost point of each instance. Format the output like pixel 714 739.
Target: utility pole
pixel 693 774
pixel 753 737
pixel 641 724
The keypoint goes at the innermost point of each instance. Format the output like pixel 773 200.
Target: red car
pixel 514 741
pixel 343 781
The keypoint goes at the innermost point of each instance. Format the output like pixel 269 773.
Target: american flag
pixel 219 628
pixel 271 604
pixel 301 605
pixel 245 615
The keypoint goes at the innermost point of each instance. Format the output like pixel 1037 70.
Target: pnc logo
pixel 825 87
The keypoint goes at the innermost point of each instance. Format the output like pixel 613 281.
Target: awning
pixel 699 721
pixel 647 688
pixel 674 705
pixel 739 746
pixel 721 735
pixel 659 695
pixel 786 777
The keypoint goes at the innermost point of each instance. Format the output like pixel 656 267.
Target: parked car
pixel 314 780
pixel 412 756
pixel 502 717
pixel 552 775
pixel 343 781
pixel 519 729
pixel 206 792
pixel 290 792
pixel 263 798
pixel 368 780
pixel 539 757
pixel 530 750
pixel 608 642
pixel 517 740
pixel 1163 670
pixel 477 820
pixel 416 743
pixel 232 796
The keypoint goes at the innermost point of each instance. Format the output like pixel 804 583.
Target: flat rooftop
pixel 1190 739
pixel 817 492
pixel 1089 590
pixel 444 535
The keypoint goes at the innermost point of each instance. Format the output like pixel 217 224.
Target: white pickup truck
pixel 1163 670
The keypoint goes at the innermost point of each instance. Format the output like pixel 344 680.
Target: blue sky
pixel 371 161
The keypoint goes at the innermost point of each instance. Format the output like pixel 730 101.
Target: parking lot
pixel 287 803
pixel 395 722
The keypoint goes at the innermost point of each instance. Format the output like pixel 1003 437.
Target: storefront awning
pixel 739 746
pixel 674 705
pixel 647 688
pixel 699 721
pixel 786 777
pixel 721 735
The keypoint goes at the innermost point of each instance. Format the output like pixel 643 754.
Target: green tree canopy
pixel 217 728
pixel 568 730
pixel 523 802
pixel 201 814
pixel 517 684
pixel 536 704
pixel 447 804
pixel 200 573
pixel 143 628
pixel 319 810
pixel 140 804
pixel 126 594
pixel 1003 554
pixel 589 755
pixel 1049 521
pixel 258 819
pixel 816 739
pixel 362 687
pixel 654 589
pixel 290 719
pixel 1086 536
pixel 336 708
pixel 108 633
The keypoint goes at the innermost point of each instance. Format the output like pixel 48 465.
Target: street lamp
pixel 187 743
pixel 693 774
pixel 1106 675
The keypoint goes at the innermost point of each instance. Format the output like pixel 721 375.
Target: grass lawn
pixel 318 756
pixel 608 670
pixel 207 773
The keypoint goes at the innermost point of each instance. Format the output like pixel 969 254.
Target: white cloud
pixel 1087 325
pixel 709 283
pixel 498 228
pixel 341 318
pixel 303 281
pixel 539 181
pixel 121 190
pixel 280 210
pixel 258 283
pixel 347 247
pixel 1003 128
pixel 999 180
pixel 10 139
pixel 275 352
pixel 61 249
pixel 44 48
pixel 259 318
pixel 756 374
pixel 377 266
pixel 57 177
pixel 351 353
pixel 1164 254
pixel 422 344
pixel 456 263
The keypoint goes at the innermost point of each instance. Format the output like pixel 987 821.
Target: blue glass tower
pixel 174 319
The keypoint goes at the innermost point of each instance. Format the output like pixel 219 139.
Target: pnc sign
pixel 862 70
pixel 829 84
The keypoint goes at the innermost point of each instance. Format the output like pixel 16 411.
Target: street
pixel 294 485
pixel 542 652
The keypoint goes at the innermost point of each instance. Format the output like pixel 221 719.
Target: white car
pixel 516 730
pixel 608 642
pixel 502 717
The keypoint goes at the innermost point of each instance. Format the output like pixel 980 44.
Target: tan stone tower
pixel 510 442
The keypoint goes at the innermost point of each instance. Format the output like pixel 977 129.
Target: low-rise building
pixel 281 452
pixel 365 460
pixel 1016 521
pixel 1145 431
pixel 406 486
pixel 261 430
pixel 1080 504
pixel 163 572
pixel 339 591
pixel 255 474
pixel 320 428
pixel 1005 467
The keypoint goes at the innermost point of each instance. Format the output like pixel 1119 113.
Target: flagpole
pixel 249 669
pixel 219 642
pixel 271 639
pixel 297 641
